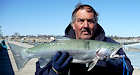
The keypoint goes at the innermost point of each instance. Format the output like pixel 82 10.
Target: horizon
pixel 51 17
pixel 46 35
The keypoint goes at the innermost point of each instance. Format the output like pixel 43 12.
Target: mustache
pixel 86 30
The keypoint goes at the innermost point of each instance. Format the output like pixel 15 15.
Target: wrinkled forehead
pixel 84 13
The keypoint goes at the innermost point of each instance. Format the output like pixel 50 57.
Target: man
pixel 84 25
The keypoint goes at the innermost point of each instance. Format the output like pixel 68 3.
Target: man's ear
pixel 73 26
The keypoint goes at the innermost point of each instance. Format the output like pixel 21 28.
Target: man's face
pixel 84 24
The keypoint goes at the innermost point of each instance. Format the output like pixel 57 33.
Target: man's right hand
pixel 59 65
pixel 61 62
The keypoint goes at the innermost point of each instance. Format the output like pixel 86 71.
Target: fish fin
pixel 91 65
pixel 20 56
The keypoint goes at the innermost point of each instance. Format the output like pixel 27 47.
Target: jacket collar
pixel 99 33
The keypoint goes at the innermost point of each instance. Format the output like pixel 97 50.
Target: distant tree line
pixel 118 37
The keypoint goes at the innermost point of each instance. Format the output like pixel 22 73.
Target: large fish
pixel 83 51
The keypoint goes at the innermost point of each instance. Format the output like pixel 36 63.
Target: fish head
pixel 103 53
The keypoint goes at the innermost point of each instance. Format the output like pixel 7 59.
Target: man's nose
pixel 85 24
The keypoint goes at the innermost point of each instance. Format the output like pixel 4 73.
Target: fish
pixel 83 51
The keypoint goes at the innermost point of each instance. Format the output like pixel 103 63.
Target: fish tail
pixel 20 55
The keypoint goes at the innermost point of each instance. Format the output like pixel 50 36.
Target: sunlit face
pixel 84 24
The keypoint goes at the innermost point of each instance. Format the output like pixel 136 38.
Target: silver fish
pixel 83 51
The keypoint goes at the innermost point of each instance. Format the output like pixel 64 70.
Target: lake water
pixel 135 58
pixel 136 45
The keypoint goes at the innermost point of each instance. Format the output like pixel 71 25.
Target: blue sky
pixel 50 17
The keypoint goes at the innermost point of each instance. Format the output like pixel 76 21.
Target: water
pixel 137 45
pixel 135 58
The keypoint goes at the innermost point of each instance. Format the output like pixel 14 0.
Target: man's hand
pixel 61 62
pixel 59 65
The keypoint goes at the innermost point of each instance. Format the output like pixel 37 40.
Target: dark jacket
pixel 106 67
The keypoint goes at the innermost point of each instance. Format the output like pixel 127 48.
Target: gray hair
pixel 90 9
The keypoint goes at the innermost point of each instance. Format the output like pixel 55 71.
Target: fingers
pixel 62 58
pixel 67 62
pixel 61 61
pixel 56 57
